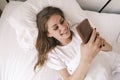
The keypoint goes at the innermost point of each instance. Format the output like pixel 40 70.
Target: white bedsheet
pixel 17 64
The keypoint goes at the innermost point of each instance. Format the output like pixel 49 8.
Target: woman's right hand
pixel 92 48
pixel 88 52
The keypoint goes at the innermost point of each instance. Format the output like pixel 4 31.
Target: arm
pixel 78 74
pixel 88 52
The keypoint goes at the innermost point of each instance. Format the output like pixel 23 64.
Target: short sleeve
pixel 54 61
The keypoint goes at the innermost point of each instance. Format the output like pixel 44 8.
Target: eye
pixel 55 28
pixel 62 21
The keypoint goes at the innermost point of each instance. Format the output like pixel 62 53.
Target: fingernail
pixel 98 34
pixel 100 46
pixel 103 44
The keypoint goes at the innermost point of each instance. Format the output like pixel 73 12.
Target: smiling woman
pixel 61 48
pixel 58 28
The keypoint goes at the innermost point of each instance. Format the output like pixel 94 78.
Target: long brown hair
pixel 44 43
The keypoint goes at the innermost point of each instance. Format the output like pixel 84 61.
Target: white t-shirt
pixel 68 56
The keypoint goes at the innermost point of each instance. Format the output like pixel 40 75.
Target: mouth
pixel 65 32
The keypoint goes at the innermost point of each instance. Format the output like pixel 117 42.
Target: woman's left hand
pixel 106 46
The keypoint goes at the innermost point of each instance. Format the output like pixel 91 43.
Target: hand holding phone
pixel 85 30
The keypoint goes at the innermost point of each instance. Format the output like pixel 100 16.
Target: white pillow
pixel 23 19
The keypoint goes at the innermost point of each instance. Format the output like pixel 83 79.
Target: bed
pixel 16 63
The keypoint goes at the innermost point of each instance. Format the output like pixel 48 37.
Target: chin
pixel 69 34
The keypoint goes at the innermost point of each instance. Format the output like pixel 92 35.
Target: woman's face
pixel 58 28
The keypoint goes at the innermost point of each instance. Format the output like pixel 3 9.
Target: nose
pixel 61 27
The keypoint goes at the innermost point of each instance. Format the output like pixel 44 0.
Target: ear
pixel 49 35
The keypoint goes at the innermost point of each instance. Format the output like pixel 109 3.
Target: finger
pixel 97 34
pixel 98 42
pixel 93 36
pixel 103 42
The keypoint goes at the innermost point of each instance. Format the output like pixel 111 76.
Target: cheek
pixel 66 23
pixel 54 33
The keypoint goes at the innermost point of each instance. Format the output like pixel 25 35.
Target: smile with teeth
pixel 65 32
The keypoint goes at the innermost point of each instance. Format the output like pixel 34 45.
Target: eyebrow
pixel 54 25
pixel 59 21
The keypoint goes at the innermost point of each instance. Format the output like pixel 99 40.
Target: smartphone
pixel 84 30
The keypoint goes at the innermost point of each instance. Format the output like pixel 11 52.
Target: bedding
pixel 25 26
pixel 16 63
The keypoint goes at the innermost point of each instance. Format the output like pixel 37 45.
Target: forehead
pixel 54 19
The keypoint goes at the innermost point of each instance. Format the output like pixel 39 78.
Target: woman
pixel 60 47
